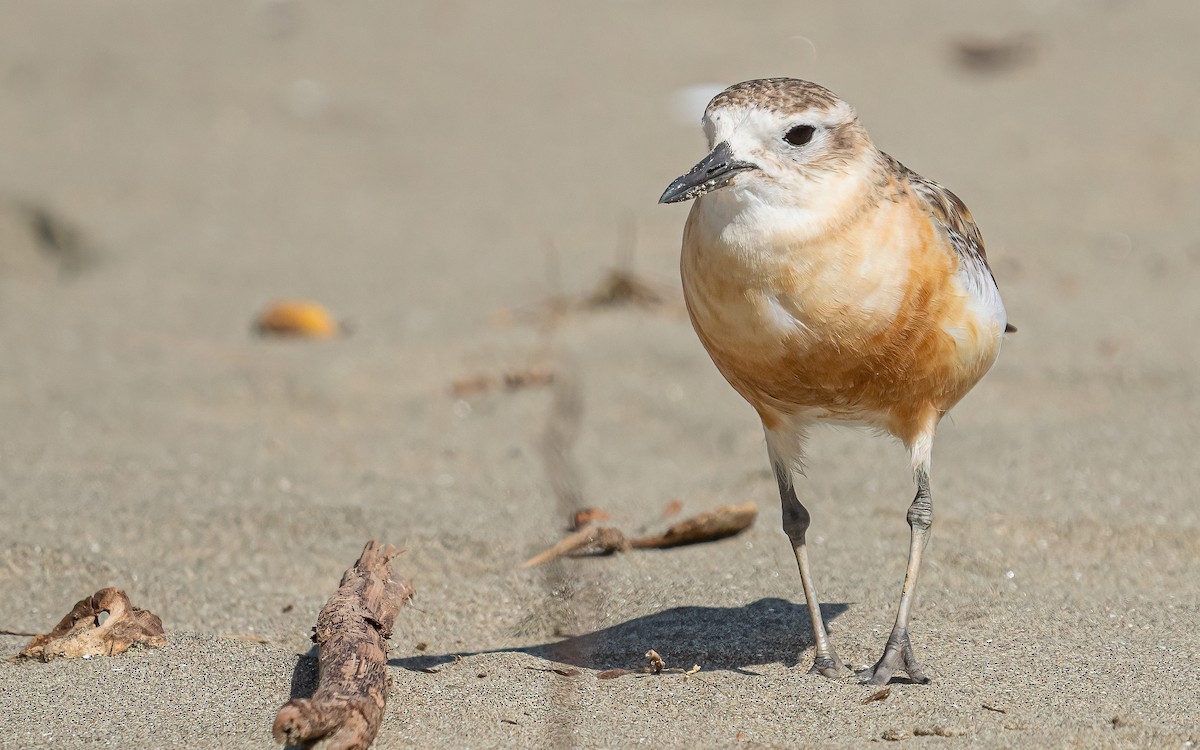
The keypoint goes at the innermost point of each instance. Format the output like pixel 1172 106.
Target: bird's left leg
pixel 898 653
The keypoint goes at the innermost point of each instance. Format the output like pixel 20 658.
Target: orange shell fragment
pixel 303 319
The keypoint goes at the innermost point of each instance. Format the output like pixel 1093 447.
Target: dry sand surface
pixel 454 179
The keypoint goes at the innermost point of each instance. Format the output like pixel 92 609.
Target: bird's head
pixel 779 141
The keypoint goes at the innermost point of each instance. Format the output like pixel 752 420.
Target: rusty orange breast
pixel 869 325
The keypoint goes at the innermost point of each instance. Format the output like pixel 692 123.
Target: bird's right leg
pixel 795 525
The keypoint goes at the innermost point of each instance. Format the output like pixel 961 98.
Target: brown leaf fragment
pixel 247 637
pixel 287 608
pixel 673 508
pixel 530 377
pixel 469 386
pixel 512 380
pixel 612 674
pixel 586 516
pixel 656 661
pixel 622 287
pixel 718 523
pixel 104 624
pixel 879 695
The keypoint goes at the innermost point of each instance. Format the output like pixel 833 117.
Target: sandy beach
pixel 456 181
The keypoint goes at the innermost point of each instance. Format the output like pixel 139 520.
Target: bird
pixel 829 283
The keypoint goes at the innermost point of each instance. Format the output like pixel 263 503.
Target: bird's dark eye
pixel 799 135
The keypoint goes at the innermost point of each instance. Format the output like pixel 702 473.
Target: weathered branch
pixel 351 633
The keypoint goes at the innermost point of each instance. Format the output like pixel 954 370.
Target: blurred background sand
pixel 454 179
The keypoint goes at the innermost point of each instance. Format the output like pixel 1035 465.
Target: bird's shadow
pixel 767 631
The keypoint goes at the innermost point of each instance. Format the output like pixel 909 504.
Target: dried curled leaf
pixel 656 661
pixel 300 319
pixel 104 624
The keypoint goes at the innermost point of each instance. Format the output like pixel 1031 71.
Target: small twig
pixel 718 523
pixel 556 670
pixel 567 545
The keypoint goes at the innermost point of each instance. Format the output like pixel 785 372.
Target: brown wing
pixel 953 216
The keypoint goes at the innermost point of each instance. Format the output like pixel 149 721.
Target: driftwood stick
pixel 352 683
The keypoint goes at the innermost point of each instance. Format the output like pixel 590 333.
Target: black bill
pixel 714 171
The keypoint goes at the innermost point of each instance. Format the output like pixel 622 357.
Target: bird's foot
pixel 828 666
pixel 897 656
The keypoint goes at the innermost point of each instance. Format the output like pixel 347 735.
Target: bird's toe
pixel 827 666
pixel 897 657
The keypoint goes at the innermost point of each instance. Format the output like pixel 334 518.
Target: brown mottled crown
pixel 782 95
